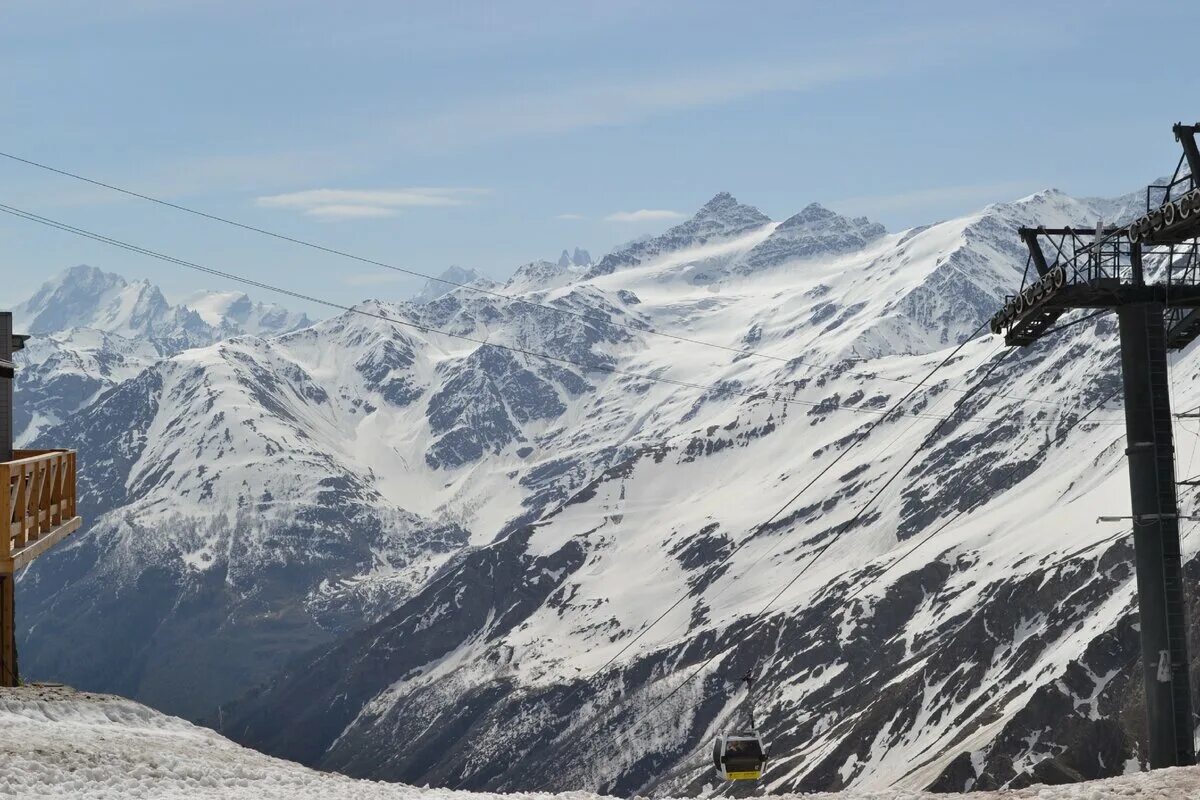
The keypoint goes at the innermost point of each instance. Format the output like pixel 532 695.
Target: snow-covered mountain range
pixel 398 554
pixel 93 329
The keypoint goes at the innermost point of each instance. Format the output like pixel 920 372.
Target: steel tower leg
pixel 8 634
pixel 1150 453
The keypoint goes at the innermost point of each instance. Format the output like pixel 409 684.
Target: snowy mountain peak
pixel 214 307
pixel 445 283
pixel 813 214
pixel 93 329
pixel 723 211
pixel 815 231
pixel 87 297
pixel 68 297
pixel 722 217
pixel 720 200
pixel 84 277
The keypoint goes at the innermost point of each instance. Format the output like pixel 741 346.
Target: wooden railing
pixel 37 504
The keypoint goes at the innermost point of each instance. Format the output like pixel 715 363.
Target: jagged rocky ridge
pixel 421 551
pixel 580 258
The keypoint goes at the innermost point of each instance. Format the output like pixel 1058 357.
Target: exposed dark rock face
pixel 388 368
pixel 580 258
pixel 471 413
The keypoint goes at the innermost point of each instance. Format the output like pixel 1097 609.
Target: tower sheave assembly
pixel 1148 272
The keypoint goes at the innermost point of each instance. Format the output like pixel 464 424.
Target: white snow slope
pixel 65 744
pixel 507 526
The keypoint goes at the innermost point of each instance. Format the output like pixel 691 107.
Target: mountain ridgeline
pixel 93 329
pixel 401 555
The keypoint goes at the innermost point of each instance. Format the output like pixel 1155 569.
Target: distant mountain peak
pixel 84 296
pixel 814 231
pixel 719 200
pixel 812 212
pixel 69 299
pixel 580 258
pixel 86 272
pixel 725 206
pixel 234 312
pixel 450 279
pixel 722 217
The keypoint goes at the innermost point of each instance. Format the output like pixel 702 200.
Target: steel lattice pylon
pixel 1148 272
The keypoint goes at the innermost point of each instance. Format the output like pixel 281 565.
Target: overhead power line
pixel 596 318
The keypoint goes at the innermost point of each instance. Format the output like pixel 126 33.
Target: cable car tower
pixel 1148 272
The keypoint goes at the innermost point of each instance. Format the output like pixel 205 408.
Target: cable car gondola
pixel 741 756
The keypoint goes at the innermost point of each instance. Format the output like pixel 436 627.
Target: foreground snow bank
pixel 66 744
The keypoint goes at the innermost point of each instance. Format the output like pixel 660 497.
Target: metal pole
pixel 6 388
pixel 8 633
pixel 1030 237
pixel 1186 135
pixel 1159 567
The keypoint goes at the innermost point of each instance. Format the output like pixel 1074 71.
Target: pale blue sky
pixel 490 134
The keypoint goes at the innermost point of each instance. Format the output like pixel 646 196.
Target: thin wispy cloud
pixel 368 203
pixel 562 108
pixel 644 215
pixel 569 216
pixel 346 211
